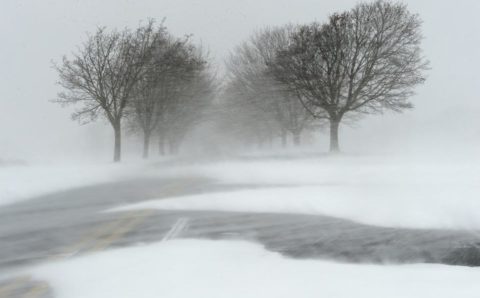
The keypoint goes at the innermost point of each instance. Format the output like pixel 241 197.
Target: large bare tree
pixel 102 73
pixel 362 61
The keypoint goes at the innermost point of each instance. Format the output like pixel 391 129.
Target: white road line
pixel 179 226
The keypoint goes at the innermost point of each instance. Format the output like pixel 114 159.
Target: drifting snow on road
pixel 218 269
pixel 383 192
pixel 239 201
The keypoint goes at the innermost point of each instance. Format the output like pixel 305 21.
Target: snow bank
pixel 371 170
pixel 383 192
pixel 194 268
pixel 382 206
pixel 22 182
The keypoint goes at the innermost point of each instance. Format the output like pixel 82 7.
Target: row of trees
pixel 362 61
pixel 280 82
pixel 260 107
pixel 158 82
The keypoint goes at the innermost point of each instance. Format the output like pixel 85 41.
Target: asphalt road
pixel 71 223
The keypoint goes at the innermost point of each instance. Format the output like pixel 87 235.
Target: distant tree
pixel 242 121
pixel 252 82
pixel 102 74
pixel 362 61
pixel 190 97
pixel 173 63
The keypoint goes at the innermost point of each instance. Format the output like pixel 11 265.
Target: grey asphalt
pixel 41 229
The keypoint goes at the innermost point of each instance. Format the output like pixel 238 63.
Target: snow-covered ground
pixel 417 193
pixel 22 182
pixel 401 192
pixel 384 191
pixel 200 268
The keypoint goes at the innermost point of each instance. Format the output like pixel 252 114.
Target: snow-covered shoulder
pixel 22 182
pixel 218 269
pixel 382 192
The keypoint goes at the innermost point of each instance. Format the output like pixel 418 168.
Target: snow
pixel 377 191
pixel 201 268
pixel 345 169
pixel 18 183
pixel 385 191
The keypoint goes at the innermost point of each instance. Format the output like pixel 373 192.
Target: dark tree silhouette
pixel 174 63
pixel 251 82
pixel 189 99
pixel 242 120
pixel 101 75
pixel 362 61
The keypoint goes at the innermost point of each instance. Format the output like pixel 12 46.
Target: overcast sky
pixel 33 33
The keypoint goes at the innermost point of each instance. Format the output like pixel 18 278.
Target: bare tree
pixel 102 73
pixel 251 81
pixel 362 61
pixel 241 120
pixel 173 63
pixel 190 97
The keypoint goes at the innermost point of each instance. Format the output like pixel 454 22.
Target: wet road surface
pixel 71 223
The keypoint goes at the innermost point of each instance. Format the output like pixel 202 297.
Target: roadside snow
pixel 200 268
pixel 19 183
pixel 383 192
pixel 382 206
pixel 344 169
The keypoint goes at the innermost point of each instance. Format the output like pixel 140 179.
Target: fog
pixel 236 188
pixel 35 33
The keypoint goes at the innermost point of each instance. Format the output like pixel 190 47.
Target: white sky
pixel 34 33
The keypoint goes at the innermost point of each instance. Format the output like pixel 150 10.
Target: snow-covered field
pixel 384 191
pixel 200 268
pixel 22 182
pixel 422 193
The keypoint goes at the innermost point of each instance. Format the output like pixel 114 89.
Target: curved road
pixel 71 223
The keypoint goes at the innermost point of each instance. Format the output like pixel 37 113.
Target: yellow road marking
pixel 173 188
pixel 12 286
pixel 88 238
pixel 37 291
pixel 122 230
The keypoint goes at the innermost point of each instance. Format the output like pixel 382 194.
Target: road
pixel 71 223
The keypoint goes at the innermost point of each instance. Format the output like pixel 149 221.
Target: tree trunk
pixel 297 138
pixel 117 149
pixel 177 147
pixel 146 144
pixel 270 141
pixel 334 146
pixel 171 147
pixel 284 139
pixel 260 142
pixel 161 145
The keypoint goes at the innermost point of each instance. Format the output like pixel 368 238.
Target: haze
pixel 242 193
pixel 35 33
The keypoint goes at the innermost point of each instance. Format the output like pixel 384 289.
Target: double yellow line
pixel 34 289
pixel 97 240
pixel 122 229
pixel 106 234
pixel 10 287
pixel 38 290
